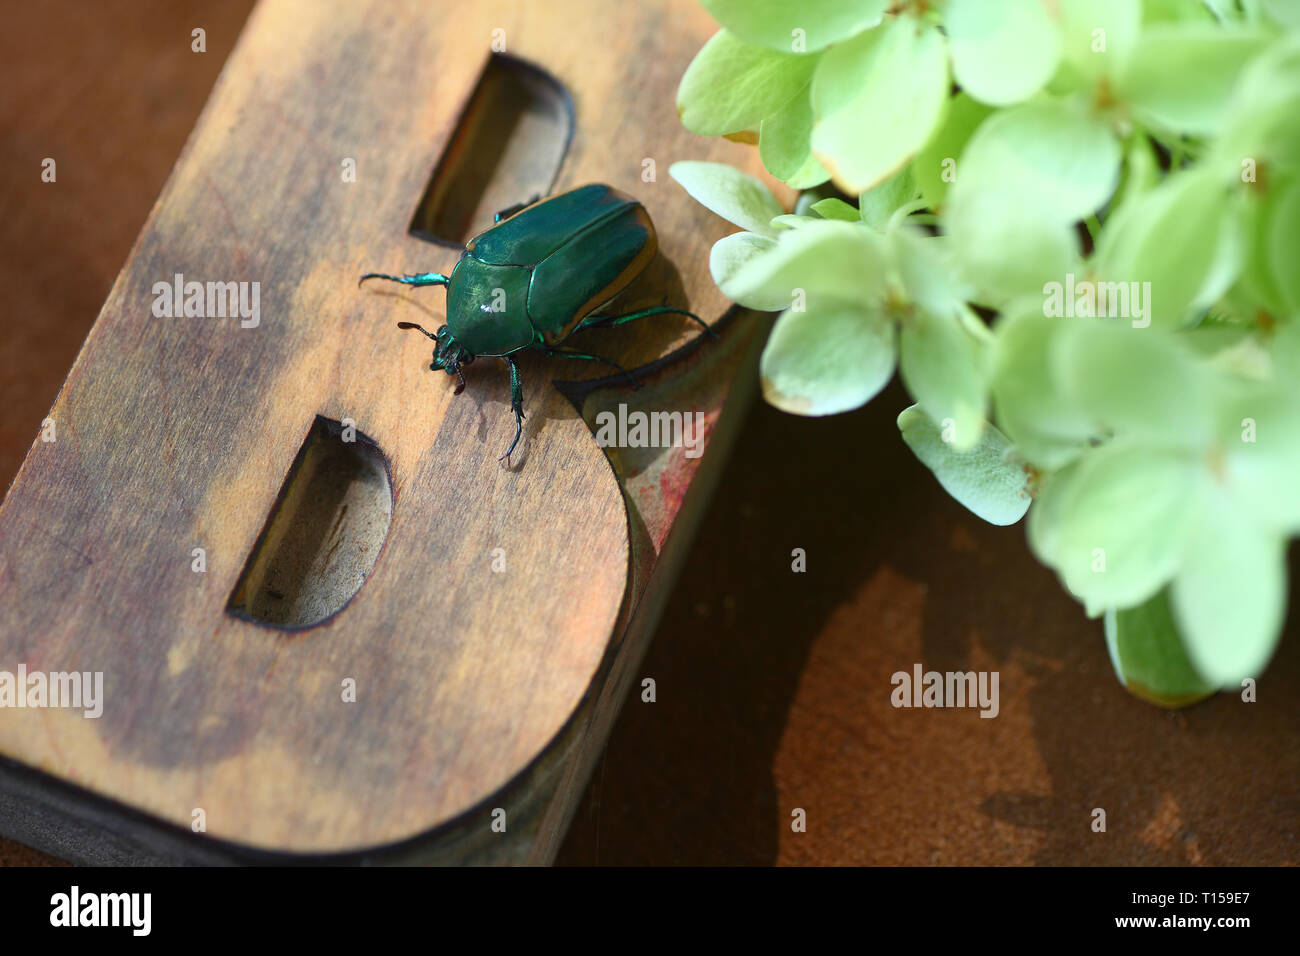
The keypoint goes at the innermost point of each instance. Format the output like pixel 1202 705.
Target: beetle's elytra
pixel 535 277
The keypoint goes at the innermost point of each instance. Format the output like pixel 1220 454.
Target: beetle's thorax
pixel 487 307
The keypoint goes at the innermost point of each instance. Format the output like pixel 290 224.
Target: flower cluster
pixel 1077 237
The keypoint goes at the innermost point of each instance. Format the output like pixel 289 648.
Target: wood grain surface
pixel 490 614
pixel 773 687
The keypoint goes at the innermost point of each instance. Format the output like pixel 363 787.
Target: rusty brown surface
pixel 110 91
pixel 773 693
pixel 772 687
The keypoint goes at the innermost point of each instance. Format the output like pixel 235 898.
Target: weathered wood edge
pixel 83 827
pixel 74 816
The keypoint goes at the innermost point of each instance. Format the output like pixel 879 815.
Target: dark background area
pixel 773 687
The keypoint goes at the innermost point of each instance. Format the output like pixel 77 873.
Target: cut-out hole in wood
pixel 324 532
pixel 506 149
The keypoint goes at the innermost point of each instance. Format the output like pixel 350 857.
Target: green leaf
pixel 1176 242
pixel 877 98
pixel 1148 655
pixel 735 196
pixel 827 361
pixel 1058 161
pixel 876 206
pixel 1229 597
pixel 821 263
pixel 1181 75
pixel 944 367
pixel 935 166
pixel 732 86
pixel 810 175
pixel 985 478
pixel 1003 51
pixel 795 27
pixel 785 147
pixel 833 208
pixel 1117 528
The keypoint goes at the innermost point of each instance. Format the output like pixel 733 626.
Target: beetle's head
pixel 448 355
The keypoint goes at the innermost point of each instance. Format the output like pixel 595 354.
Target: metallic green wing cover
pixel 529 236
pixel 589 269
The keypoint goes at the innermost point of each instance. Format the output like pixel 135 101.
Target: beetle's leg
pixel 516 404
pixel 417 279
pixel 558 352
pixel 610 321
pixel 511 210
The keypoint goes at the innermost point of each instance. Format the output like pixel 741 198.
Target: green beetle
pixel 535 277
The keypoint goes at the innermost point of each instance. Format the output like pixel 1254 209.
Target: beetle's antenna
pixel 413 325
pixel 417 279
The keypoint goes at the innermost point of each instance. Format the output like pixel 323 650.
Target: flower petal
pixel 985 478
pixel 735 196
pixel 1229 597
pixel 877 99
pixel 1115 528
pixel 827 361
